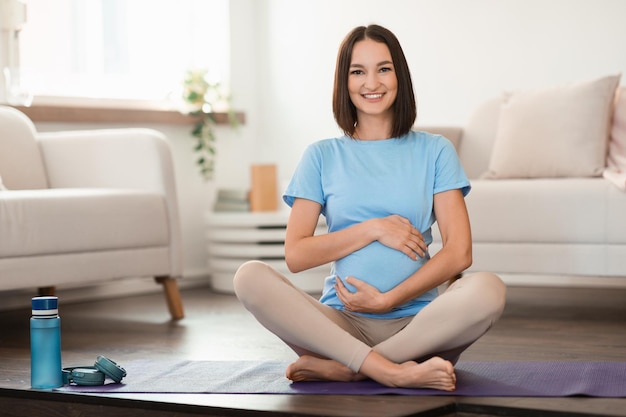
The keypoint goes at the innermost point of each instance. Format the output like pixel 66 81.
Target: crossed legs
pixel 331 347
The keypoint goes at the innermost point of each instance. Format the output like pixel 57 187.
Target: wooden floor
pixel 538 324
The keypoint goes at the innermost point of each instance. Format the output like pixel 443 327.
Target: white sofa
pixel 537 228
pixel 82 207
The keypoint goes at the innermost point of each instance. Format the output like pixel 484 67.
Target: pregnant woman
pixel 381 187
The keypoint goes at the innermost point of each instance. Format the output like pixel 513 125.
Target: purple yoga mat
pixel 478 379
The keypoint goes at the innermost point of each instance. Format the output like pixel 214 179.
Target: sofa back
pixel 21 163
pixel 479 136
pixel 617 145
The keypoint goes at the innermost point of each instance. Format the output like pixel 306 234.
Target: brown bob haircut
pixel 405 108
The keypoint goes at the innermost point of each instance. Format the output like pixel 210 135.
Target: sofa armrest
pixel 115 158
pixel 452 133
pixel 107 158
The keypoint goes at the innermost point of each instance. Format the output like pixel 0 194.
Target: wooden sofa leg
pixel 172 295
pixel 43 291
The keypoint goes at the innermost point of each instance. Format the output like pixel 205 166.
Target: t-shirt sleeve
pixel 306 181
pixel 449 173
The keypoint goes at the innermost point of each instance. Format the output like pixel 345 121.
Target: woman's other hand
pixel 365 298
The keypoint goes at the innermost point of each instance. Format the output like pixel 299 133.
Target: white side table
pixel 236 237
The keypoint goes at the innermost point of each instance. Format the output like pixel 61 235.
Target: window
pixel 121 49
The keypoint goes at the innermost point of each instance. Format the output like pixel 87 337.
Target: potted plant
pixel 203 100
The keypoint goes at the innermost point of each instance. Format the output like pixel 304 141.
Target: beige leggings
pixel 445 327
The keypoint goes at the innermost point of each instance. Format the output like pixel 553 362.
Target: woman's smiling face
pixel 372 81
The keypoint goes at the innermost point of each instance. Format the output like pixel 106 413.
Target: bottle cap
pixel 45 306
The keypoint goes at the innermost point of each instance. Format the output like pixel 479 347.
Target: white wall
pixel 460 51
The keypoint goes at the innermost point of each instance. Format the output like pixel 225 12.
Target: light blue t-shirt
pixel 357 180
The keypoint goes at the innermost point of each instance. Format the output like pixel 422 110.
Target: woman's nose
pixel 371 81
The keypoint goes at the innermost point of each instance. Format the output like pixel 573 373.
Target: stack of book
pixel 232 199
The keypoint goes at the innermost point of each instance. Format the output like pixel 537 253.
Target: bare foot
pixel 435 373
pixel 310 368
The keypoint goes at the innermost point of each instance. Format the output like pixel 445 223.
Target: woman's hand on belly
pixel 365 298
pixel 398 233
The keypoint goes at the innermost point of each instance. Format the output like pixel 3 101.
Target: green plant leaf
pixel 200 93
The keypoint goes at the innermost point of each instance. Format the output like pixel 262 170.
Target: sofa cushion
pixel 551 210
pixel 53 221
pixel 554 132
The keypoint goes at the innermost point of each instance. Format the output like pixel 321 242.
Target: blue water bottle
pixel 45 344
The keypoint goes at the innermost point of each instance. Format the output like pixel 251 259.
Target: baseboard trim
pixel 16 299
pixel 532 280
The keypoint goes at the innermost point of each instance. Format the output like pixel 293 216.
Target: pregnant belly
pixel 378 265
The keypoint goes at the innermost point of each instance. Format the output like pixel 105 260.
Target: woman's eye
pixel 356 72
pixel 385 69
